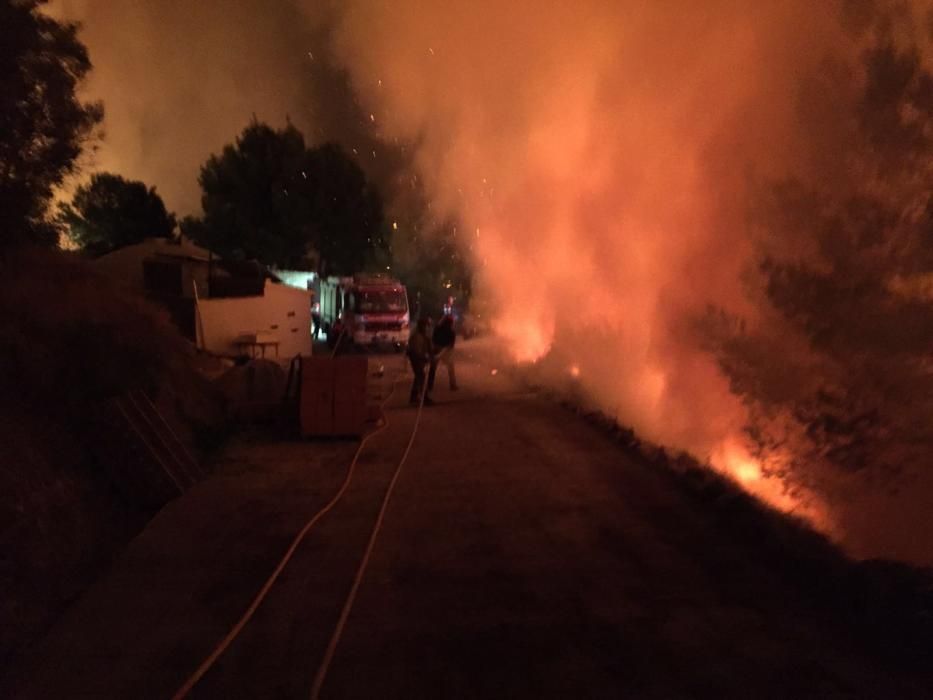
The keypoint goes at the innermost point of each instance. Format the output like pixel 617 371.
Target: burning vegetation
pixel 716 216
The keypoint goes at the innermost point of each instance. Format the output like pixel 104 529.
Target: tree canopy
pixel 349 224
pixel 111 212
pixel 841 375
pixel 271 198
pixel 43 125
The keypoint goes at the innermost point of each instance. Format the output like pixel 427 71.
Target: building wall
pixel 283 313
pixel 297 278
pixel 195 273
pixel 126 264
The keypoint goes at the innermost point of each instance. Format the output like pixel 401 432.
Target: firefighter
pixel 443 341
pixel 451 310
pixel 420 353
pixel 316 319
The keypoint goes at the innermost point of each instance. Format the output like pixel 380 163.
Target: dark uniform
pixel 443 340
pixel 420 353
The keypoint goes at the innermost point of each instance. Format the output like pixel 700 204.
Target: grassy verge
pixel 884 606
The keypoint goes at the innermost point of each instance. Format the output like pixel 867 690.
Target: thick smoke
pixel 599 158
pixel 663 200
pixel 617 164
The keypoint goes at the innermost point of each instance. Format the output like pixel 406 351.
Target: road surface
pixel 523 555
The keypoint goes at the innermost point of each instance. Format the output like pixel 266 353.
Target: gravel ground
pixel 524 555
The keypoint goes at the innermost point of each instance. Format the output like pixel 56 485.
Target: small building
pixel 159 266
pixel 228 308
pixel 166 271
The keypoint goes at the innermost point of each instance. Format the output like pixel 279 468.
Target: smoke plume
pixel 709 216
pixel 616 165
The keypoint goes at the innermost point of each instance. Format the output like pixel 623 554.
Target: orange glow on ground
pixel 733 459
pixel 527 340
pixel 747 471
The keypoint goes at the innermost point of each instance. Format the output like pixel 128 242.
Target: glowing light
pixel 747 471
pixel 575 371
pixel 395 225
pixel 528 341
pixel 494 372
pixel 733 459
pixel 372 117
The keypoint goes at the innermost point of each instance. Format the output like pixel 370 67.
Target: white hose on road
pixel 222 646
pixel 321 674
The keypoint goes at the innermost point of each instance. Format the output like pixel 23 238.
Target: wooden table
pixel 259 345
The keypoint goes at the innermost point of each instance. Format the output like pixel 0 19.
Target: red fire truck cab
pixel 367 309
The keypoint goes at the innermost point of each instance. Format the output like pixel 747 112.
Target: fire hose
pixel 321 674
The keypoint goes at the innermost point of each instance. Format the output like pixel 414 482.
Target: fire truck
pixel 366 309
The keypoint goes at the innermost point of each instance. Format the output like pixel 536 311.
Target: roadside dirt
pixel 524 555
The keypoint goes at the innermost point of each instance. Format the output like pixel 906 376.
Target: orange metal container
pixel 316 400
pixel 350 395
pixel 333 396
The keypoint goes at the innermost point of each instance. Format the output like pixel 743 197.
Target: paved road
pixel 523 556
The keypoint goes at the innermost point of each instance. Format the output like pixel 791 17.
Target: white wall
pixel 296 278
pixel 283 313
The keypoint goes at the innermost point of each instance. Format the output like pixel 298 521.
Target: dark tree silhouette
pixel 43 125
pixel 111 212
pixel 348 217
pixel 841 375
pixel 251 200
pixel 269 197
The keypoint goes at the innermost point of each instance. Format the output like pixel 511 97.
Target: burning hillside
pixel 710 212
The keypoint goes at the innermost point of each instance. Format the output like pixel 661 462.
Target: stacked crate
pixel 333 396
